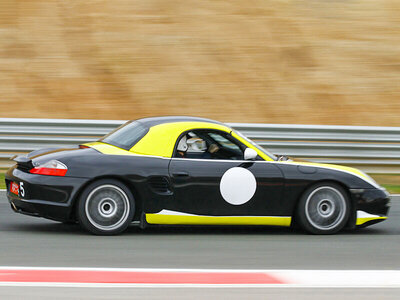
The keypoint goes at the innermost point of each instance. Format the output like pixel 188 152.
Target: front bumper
pixel 50 197
pixel 371 206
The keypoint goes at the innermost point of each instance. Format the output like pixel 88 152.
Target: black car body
pixel 150 181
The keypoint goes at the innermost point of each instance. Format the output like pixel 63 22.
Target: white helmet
pixel 196 144
pixel 182 145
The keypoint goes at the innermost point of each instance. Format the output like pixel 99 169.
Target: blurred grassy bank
pixel 292 61
pixel 389 181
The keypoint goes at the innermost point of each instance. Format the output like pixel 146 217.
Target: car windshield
pixel 125 136
pixel 257 146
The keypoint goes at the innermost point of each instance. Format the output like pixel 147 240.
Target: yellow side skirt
pixel 212 220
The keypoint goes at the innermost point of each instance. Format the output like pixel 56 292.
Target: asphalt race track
pixel 28 241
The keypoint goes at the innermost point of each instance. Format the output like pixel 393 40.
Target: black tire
pixel 324 208
pixel 106 207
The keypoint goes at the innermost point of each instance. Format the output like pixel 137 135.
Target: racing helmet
pixel 196 144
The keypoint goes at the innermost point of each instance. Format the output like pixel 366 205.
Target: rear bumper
pixel 45 210
pixel 50 197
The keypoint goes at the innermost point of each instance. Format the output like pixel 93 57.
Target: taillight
pixel 51 168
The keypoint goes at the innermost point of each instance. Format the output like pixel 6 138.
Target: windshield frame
pixel 263 150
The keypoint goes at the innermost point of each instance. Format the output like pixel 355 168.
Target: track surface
pixel 197 293
pixel 28 241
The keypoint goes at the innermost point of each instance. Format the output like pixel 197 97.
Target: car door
pixel 207 184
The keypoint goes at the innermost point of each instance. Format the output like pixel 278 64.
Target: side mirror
pixel 250 154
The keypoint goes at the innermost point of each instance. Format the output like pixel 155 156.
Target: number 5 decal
pixel 21 189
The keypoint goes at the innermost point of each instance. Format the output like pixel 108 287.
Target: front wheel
pixel 106 207
pixel 323 209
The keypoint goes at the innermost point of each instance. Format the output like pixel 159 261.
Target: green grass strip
pixel 392 188
pixel 2 182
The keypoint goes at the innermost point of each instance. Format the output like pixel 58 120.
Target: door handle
pixel 180 174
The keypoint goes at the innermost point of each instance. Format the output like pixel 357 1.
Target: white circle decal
pixel 238 186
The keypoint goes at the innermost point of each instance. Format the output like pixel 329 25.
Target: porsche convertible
pixel 189 171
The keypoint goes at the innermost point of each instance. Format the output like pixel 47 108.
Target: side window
pixel 205 144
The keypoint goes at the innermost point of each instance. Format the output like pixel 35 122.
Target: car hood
pixel 345 169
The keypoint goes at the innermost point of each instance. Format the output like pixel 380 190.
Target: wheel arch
pixel 132 188
pixel 352 219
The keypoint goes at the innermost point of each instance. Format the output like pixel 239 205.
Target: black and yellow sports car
pixel 189 171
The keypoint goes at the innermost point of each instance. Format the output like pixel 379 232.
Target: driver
pixel 211 150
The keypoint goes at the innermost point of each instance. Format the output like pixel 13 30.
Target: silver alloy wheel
pixel 107 207
pixel 325 208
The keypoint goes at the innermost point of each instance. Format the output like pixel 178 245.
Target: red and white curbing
pixel 120 277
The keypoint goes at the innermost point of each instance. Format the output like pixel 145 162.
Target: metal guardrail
pixel 372 149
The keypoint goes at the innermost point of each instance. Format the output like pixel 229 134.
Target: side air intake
pixel 160 184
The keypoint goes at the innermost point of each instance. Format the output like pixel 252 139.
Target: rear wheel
pixel 323 209
pixel 106 207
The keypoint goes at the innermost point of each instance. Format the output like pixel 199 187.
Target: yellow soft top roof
pixel 161 139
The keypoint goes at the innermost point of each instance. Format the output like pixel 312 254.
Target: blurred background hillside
pixel 305 61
